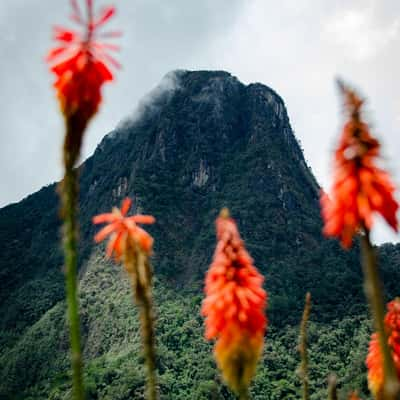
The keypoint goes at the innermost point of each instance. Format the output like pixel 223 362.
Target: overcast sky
pixel 297 47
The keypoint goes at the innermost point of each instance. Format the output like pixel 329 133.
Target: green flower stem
pixel 69 194
pixel 373 292
pixel 303 371
pixel 75 127
pixel 141 281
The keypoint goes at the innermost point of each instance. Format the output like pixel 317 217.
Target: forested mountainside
pixel 200 141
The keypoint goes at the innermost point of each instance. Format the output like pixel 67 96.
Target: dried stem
pixel 332 391
pixel 303 342
pixel 244 394
pixel 373 292
pixel 69 200
pixel 139 268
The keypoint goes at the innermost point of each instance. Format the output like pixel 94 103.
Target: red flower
pixel 80 61
pixel 354 396
pixel 234 307
pixel 360 188
pixel 122 229
pixel 374 359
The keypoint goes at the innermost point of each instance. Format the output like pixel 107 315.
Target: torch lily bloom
pixel 80 61
pixel 121 229
pixel 234 307
pixel 360 188
pixel 132 245
pixel 374 359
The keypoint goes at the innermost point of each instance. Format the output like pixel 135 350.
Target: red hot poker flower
pixel 122 229
pixel 80 61
pixel 234 307
pixel 374 359
pixel 360 188
pixel 132 245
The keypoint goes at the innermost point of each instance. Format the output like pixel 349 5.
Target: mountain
pixel 199 141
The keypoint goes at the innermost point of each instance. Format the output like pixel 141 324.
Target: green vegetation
pixel 114 365
pixel 213 142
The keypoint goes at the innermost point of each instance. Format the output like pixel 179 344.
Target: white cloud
pixel 359 32
pixel 149 102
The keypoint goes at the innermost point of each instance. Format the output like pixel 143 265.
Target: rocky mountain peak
pixel 199 141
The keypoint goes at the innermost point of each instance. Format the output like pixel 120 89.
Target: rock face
pixel 200 141
pixel 205 142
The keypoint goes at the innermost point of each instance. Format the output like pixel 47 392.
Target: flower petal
pixel 105 14
pixel 107 217
pixel 143 219
pixel 54 53
pixel 126 205
pixel 104 232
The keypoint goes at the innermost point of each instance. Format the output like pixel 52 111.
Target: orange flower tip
pixel 104 232
pixel 374 360
pixel 81 61
pixel 143 219
pixel 101 218
pixel 126 205
pixel 104 16
pixel 354 396
pixel 224 213
pixel 234 307
pixel 123 230
pixel 360 188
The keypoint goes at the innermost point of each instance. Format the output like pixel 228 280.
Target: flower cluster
pixel 80 61
pixel 123 229
pixel 132 245
pixel 234 306
pixel 374 359
pixel 360 188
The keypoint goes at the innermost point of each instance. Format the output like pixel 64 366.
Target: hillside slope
pixel 200 141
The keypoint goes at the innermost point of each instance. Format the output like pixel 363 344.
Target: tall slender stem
pixel 75 127
pixel 332 391
pixel 303 371
pixel 69 194
pixel 373 292
pixel 141 274
pixel 244 394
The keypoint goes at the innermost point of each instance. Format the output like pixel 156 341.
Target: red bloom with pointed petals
pixel 122 228
pixel 234 307
pixel 360 188
pixel 80 61
pixel 374 359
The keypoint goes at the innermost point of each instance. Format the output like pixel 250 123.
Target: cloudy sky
pixel 296 47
